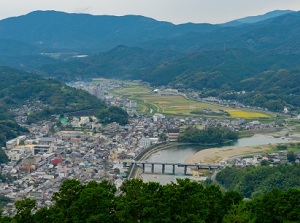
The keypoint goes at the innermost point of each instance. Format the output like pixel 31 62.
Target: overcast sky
pixel 176 11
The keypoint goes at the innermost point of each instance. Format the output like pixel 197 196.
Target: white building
pixel 144 142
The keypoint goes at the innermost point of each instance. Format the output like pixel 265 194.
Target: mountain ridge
pixel 215 58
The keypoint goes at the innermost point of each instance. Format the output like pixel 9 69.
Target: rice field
pixel 177 105
pixel 246 114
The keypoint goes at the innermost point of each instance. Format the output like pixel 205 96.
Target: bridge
pixel 143 165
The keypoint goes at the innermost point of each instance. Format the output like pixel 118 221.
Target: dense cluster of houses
pixel 84 149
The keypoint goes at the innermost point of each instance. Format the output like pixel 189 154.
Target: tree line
pixel 184 201
pixel 210 135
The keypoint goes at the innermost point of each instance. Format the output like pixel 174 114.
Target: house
pixel 173 134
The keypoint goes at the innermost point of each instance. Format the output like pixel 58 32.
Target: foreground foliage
pixel 183 201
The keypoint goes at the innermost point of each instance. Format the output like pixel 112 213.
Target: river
pixel 178 154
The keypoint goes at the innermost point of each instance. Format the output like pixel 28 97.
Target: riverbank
pixel 216 155
pixel 255 144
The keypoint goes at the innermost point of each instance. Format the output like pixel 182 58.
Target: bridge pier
pixel 143 166
pixel 185 169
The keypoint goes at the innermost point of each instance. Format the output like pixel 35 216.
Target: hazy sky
pixel 176 11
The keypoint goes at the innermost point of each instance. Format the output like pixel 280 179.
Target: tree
pixel 291 156
pixel 239 214
pixel 68 193
pixel 24 210
pixel 96 202
pixel 162 137
pixel 264 163
pixel 140 202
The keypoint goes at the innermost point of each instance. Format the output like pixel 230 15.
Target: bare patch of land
pixel 216 155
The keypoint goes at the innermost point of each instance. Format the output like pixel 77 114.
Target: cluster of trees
pixel 184 201
pixel 254 181
pixel 4 200
pixel 9 129
pixel 113 114
pixel 210 112
pixel 211 135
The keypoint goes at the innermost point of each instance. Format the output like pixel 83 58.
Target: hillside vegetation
pixel 57 98
pixel 255 181
pixel 184 201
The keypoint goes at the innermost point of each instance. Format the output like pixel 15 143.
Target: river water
pixel 178 154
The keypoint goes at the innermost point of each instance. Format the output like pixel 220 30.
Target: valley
pixel 82 96
pixel 172 102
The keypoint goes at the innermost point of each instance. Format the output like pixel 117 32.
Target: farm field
pixel 149 102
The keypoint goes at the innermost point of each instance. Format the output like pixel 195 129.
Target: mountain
pixel 219 59
pixel 51 30
pixel 269 34
pixel 224 59
pixel 258 18
pixel 120 62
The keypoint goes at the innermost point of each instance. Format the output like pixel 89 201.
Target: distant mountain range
pixel 254 19
pixel 245 54
pixel 51 30
pixel 42 31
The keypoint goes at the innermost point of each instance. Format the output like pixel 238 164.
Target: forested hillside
pixel 56 97
pixel 184 201
pixel 255 181
pixel 44 96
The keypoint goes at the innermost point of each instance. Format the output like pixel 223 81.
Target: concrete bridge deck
pixel 143 164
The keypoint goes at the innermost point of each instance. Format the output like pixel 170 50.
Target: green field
pixel 177 105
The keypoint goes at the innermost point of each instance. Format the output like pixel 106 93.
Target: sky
pixel 175 11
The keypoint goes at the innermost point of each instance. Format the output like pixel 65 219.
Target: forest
pixel 184 201
pixel 211 135
pixel 112 114
pixel 254 181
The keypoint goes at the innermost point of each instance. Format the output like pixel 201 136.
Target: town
pixel 80 147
